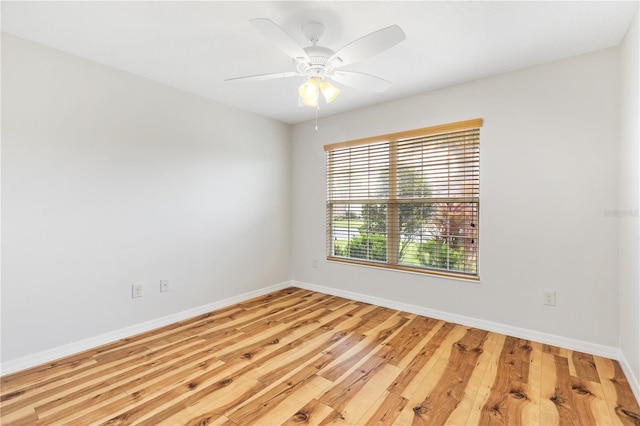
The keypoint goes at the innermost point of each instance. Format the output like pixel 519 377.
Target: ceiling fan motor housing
pixel 318 64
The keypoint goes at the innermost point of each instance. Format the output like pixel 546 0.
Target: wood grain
pixel 297 357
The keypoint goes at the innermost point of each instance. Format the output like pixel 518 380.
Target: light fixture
pixel 310 91
pixel 329 91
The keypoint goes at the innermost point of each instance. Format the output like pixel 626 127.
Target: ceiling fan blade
pixel 361 80
pixel 369 45
pixel 260 77
pixel 280 38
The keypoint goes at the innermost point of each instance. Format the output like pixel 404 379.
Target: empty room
pixel 357 213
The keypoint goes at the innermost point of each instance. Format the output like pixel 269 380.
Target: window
pixel 407 201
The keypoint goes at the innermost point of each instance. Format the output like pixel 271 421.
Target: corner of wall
pixel 634 381
pixel 628 204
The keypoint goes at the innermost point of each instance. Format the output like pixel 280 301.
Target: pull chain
pixel 317 108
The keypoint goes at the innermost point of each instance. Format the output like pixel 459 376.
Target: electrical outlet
pixel 136 290
pixel 164 285
pixel 550 298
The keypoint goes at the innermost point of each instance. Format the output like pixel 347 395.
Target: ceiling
pixel 196 45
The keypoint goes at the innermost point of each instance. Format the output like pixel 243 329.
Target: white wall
pixel 549 157
pixel 629 204
pixel 108 178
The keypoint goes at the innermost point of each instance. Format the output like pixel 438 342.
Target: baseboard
pixel 573 344
pixel 86 344
pixel 634 381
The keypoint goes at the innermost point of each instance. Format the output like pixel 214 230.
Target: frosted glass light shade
pixel 329 91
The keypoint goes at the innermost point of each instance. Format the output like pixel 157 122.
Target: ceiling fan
pixel 319 63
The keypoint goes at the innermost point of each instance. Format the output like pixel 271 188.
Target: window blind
pixel 408 200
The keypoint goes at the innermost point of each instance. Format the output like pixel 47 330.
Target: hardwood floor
pixel 301 357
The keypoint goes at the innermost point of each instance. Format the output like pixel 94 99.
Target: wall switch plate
pixel 164 285
pixel 314 263
pixel 136 290
pixel 550 298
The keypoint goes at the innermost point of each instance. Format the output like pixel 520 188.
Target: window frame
pixel 392 202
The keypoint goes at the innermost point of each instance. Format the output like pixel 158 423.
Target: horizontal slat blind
pixel 408 203
pixel 359 173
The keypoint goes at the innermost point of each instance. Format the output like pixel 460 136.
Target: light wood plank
pixel 620 400
pixel 461 412
pixel 386 409
pixel 510 393
pixel 312 414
